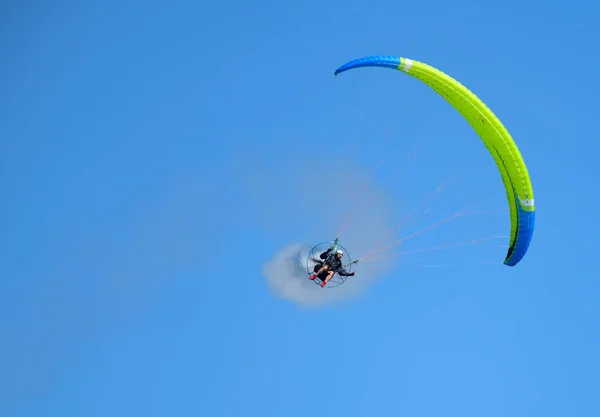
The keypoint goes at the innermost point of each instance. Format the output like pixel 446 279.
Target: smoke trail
pixel 310 224
pixel 303 203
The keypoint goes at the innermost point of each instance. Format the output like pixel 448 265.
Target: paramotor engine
pixel 314 262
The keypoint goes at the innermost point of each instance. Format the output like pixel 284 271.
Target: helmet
pixel 339 252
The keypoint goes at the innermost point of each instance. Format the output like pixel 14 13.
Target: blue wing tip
pixel 388 61
pixel 521 244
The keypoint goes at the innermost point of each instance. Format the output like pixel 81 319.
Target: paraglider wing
pixel 494 135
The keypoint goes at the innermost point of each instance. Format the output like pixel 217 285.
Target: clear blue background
pixel 131 245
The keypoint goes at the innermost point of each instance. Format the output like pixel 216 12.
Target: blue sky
pixel 157 157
